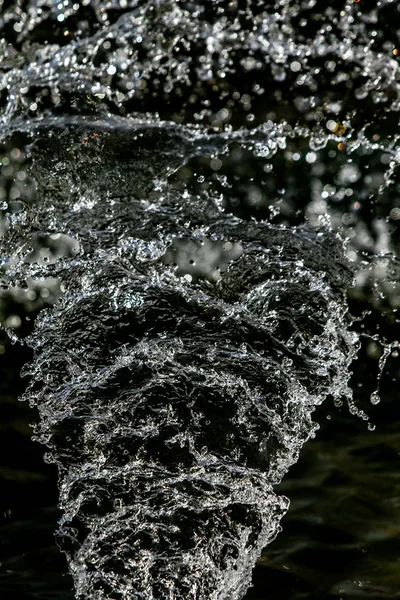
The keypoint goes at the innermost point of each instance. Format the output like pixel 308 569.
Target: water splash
pixel 176 386
pixel 172 405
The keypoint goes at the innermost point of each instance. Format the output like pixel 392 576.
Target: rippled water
pixel 204 198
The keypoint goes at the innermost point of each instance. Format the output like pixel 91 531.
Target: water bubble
pixel 13 321
pixel 311 157
pixel 216 164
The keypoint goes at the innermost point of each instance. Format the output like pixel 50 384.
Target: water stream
pixel 199 236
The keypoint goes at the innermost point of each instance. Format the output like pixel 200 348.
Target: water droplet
pixel 374 398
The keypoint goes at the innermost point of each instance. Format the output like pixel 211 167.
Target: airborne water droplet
pixel 374 398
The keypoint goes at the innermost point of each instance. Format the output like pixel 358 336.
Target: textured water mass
pixel 192 304
pixel 172 405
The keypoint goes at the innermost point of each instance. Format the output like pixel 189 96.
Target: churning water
pixel 191 194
